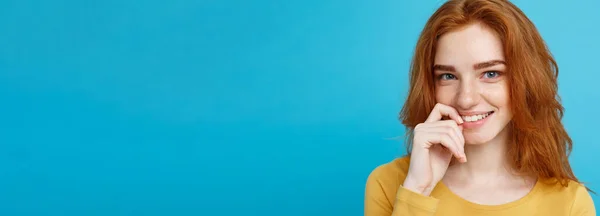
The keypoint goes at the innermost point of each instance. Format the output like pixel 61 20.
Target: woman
pixel 484 123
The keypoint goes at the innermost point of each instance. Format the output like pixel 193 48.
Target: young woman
pixel 484 123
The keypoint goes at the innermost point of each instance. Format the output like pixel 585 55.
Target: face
pixel 469 73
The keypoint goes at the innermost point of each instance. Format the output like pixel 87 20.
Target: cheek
pixel 498 95
pixel 444 95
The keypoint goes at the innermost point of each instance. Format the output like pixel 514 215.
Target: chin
pixel 474 138
pixel 485 135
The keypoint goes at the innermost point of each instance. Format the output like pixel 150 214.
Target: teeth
pixel 475 117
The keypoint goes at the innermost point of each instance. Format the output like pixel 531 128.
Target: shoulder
pixel 388 176
pixel 395 169
pixel 383 183
pixel 582 200
pixel 571 188
pixel 575 195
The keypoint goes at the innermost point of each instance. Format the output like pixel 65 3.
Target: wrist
pixel 412 185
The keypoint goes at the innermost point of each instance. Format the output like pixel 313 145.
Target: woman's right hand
pixel 435 142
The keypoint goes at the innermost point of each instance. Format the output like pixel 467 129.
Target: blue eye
pixel 447 76
pixel 491 74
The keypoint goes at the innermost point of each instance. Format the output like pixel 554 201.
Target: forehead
pixel 467 46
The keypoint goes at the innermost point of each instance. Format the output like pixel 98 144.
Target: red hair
pixel 539 144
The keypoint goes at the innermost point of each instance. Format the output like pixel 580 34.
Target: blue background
pixel 229 107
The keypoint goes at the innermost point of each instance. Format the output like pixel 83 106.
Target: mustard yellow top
pixel 384 195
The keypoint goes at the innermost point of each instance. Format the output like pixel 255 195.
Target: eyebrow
pixel 487 64
pixel 477 66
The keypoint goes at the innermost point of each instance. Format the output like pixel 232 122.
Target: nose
pixel 468 95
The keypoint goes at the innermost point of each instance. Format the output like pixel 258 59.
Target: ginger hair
pixel 539 143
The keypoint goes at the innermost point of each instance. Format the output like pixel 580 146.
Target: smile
pixel 474 118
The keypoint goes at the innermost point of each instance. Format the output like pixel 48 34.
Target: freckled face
pixel 469 74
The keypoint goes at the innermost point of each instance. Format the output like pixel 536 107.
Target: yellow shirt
pixel 384 195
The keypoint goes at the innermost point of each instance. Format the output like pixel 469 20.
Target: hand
pixel 435 141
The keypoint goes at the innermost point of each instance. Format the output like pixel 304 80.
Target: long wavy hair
pixel 539 145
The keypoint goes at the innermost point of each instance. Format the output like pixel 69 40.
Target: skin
pixel 469 73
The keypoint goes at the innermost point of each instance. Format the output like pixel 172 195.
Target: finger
pixel 441 110
pixel 456 141
pixel 460 131
pixel 457 131
pixel 449 143
pixel 448 128
pixel 445 140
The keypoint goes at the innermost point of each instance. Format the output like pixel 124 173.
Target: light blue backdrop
pixel 229 107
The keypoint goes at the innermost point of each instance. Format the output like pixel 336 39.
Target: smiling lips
pixel 474 118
